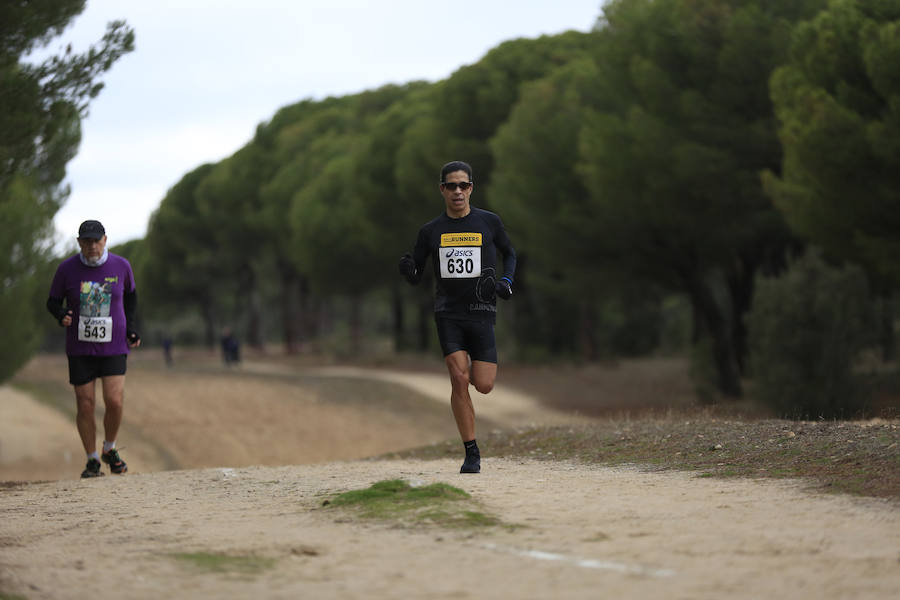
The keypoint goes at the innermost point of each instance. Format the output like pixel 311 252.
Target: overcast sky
pixel 205 73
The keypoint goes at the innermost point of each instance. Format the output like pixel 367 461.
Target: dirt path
pixel 587 533
pixel 581 531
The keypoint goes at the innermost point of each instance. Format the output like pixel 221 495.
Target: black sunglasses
pixel 452 185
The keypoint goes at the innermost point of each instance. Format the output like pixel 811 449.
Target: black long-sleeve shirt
pixel 464 253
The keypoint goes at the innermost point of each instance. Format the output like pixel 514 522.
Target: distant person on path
pixel 93 296
pixel 231 349
pixel 167 350
pixel 463 243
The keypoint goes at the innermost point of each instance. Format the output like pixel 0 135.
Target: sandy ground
pixel 579 531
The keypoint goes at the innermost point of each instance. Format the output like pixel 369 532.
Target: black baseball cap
pixel 91 230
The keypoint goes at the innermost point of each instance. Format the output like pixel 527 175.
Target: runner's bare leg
pixel 84 417
pixel 483 374
pixel 114 399
pixel 460 400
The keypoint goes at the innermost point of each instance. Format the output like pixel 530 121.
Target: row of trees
pixel 634 162
pixel 681 149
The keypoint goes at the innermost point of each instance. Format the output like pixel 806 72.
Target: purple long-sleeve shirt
pixel 94 294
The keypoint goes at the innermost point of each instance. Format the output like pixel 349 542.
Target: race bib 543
pixel 95 329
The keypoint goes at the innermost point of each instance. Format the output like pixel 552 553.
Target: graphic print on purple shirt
pixel 94 293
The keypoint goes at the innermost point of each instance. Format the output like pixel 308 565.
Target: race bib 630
pixel 460 255
pixel 460 263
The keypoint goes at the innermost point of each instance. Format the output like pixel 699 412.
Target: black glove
pixel 504 288
pixel 133 337
pixel 407 267
pixel 486 289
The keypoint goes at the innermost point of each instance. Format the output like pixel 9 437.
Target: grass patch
pixel 397 500
pixel 210 562
pixel 5 596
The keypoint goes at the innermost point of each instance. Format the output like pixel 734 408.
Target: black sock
pixel 471 447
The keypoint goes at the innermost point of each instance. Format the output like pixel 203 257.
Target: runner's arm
pixel 418 258
pixel 129 303
pixel 501 240
pixel 56 298
pixel 56 308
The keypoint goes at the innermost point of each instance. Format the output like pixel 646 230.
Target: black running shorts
pixel 474 337
pixel 85 369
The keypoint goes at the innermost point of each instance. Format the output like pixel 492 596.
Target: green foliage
pixel 41 107
pixel 25 319
pixel 180 248
pixel 182 267
pixel 839 123
pixel 327 216
pixel 808 328
pixel 678 128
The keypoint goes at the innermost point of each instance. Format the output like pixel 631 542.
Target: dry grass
pixel 856 458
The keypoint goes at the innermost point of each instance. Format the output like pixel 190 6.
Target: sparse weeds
pixel 212 562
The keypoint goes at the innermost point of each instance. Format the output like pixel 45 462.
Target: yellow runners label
pixel 460 239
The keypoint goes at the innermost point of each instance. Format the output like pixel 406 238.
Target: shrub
pixel 806 329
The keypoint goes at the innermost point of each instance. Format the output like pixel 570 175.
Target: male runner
pixel 93 296
pixel 463 243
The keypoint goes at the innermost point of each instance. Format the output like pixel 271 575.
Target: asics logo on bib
pixel 454 253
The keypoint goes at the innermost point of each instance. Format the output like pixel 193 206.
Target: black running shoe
pixel 117 466
pixel 472 463
pixel 92 469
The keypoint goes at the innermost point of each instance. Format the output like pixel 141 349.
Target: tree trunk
pixel 290 314
pixel 209 324
pixel 253 308
pixel 356 325
pixel 740 288
pixel 888 339
pixel 305 318
pixel 587 329
pixel 716 325
pixel 397 314
pixel 426 320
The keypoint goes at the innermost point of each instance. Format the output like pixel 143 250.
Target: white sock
pixel 94 455
pixel 107 446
